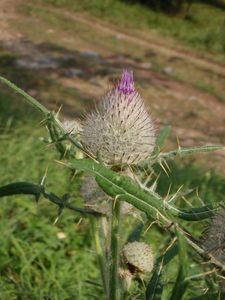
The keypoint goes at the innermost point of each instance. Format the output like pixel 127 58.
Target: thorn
pixel 115 200
pixel 161 165
pixel 57 113
pixel 42 122
pixel 175 195
pixel 167 166
pixel 178 143
pixel 168 192
pixel 149 226
pixel 170 245
pixel 80 220
pixel 60 211
pixel 148 178
pixel 73 175
pixel 60 162
pixel 56 220
pixel 44 177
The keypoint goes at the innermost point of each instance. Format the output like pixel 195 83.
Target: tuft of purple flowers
pixel 120 130
pixel 126 84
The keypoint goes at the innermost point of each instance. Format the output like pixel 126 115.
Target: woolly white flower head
pixel 120 130
pixel 139 257
pixel 72 126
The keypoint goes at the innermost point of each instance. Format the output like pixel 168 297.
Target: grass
pixel 39 260
pixel 203 28
pixel 35 262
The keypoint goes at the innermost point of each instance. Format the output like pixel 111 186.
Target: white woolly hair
pixel 120 130
pixel 139 255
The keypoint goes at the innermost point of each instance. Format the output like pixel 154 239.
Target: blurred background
pixel 68 52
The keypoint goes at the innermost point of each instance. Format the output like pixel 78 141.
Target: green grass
pixel 34 262
pixel 203 29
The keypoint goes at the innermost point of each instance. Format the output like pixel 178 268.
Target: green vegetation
pixel 40 260
pixel 203 29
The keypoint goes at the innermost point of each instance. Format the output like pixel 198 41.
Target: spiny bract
pixel 120 130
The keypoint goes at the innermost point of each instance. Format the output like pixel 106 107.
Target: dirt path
pixel 8 10
pixel 161 49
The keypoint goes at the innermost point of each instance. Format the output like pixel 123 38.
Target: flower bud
pixel 214 238
pixel 138 257
pixel 72 126
pixel 120 130
pixel 94 196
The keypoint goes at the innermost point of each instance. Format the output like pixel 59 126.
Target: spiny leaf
pixel 17 188
pixel 188 151
pixel 155 287
pixel 194 214
pixel 27 188
pixel 123 188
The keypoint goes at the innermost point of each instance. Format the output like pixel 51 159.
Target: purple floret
pixel 126 84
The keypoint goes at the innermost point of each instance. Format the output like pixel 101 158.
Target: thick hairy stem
pixel 100 256
pixel 114 261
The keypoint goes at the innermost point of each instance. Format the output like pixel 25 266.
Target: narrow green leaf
pixel 136 233
pixel 188 151
pixel 27 188
pixel 180 285
pixel 16 188
pixel 155 287
pixel 194 214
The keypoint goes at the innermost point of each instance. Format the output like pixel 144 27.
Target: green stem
pixel 100 255
pixel 47 114
pixel 30 99
pixel 114 262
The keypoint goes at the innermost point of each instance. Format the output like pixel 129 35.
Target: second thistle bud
pixel 214 238
pixel 120 130
pixel 138 257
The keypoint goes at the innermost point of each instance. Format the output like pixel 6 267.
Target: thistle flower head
pixel 72 126
pixel 120 130
pixel 214 238
pixel 139 257
pixel 94 197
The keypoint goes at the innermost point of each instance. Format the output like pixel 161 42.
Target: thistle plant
pixel 114 155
